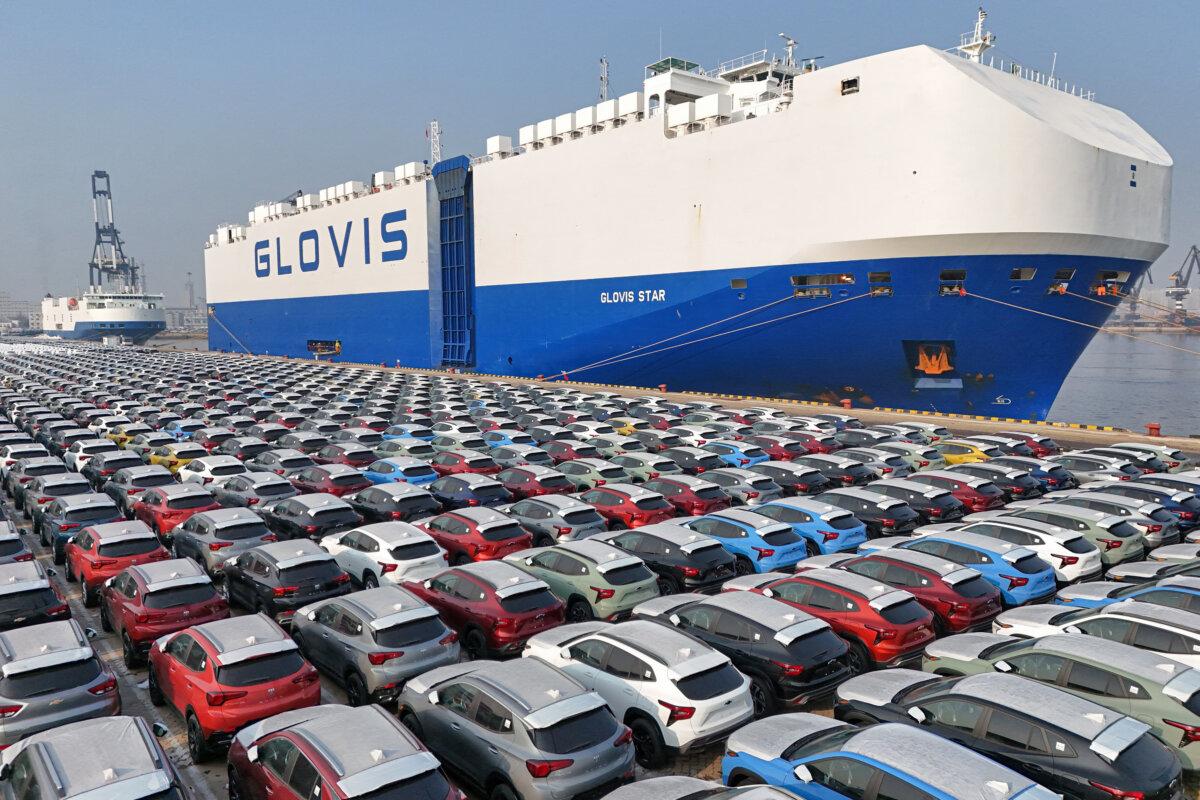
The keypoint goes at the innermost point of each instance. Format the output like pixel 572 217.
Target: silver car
pixel 211 537
pixel 254 489
pixel 555 518
pixel 371 642
pixel 882 462
pixel 745 487
pixel 516 455
pixel 522 725
pixel 51 676
pixel 284 462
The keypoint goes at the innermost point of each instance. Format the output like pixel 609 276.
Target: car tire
pixel 474 645
pixel 502 791
pixel 459 559
pixel 648 747
pixel 233 785
pixel 762 697
pixel 859 658
pixel 738 779
pixel 668 585
pixel 578 610
pixel 105 623
pixel 60 556
pixel 811 549
pixel 70 576
pixel 742 566
pixel 41 535
pixel 198 747
pixel 155 693
pixel 356 690
pixel 129 653
pixel 90 595
pixel 370 580
pixel 543 540
pixel 409 720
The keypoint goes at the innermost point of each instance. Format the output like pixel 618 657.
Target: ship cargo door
pixel 452 178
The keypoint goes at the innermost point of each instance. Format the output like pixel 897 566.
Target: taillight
pixel 881 633
pixel 603 594
pixel 885 470
pixel 829 535
pixel 540 768
pixel 310 529
pixel 270 537
pixel 690 572
pixel 221 698
pixel 278 471
pixel 923 463
pixel 677 713
pixel 625 738
pixel 472 502
pixel 1110 544
pixel 1153 528
pixel 386 568
pixel 285 591
pixel 54 611
pixel 701 442
pixel 763 552
pixel 790 670
pixel 307 677
pixel 1191 733
pixel 106 687
pixel 344 578
pixel 652 475
pixel 1188 515
pixel 8 711
pixel 751 494
pixel 1014 581
pixel 887 522
pixel 600 481
pixel 449 638
pixel 24 557
pixel 66 526
pixel 561 531
pixel 252 501
pixel 1066 561
pixel 215 546
pixel 1121 793
pixel 935 511
pixel 104 562
pixel 382 658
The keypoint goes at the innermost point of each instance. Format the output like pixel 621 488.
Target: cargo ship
pixel 923 228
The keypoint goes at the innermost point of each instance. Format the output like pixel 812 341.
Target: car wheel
pixel 197 746
pixel 668 585
pixel 811 549
pixel 60 557
pixel 648 746
pixel 70 576
pixel 460 559
pixel 475 644
pixel 742 566
pixel 233 786
pixel 90 595
pixel 762 697
pixel 741 779
pixel 502 791
pixel 409 720
pixel 105 623
pixel 356 690
pixel 155 693
pixel 859 659
pixel 369 580
pixel 543 540
pixel 129 653
pixel 579 611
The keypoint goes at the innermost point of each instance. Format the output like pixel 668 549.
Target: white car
pixel 211 470
pixel 676 693
pixel 82 451
pixel 1173 632
pixel 12 453
pixel 102 426
pixel 694 435
pixel 1072 555
pixel 383 551
pixel 1186 551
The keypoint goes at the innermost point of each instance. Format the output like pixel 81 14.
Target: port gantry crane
pixel 1179 289
pixel 109 262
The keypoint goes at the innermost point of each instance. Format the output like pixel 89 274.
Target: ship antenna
pixel 974 44
pixel 790 43
pixel 435 142
pixel 603 79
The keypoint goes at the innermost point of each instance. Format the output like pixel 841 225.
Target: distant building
pixel 17 311
pixel 186 319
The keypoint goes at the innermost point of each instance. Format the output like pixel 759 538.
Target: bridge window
pixel 737 283
pixel 879 277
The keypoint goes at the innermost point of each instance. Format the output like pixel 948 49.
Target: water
pixel 1126 382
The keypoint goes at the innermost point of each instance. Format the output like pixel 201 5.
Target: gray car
pixel 406 447
pixel 211 537
pixel 518 729
pixel 12 547
pixel 588 473
pixel 643 467
pixel 128 482
pixel 96 759
pixel 40 491
pixel 745 487
pixel 556 518
pixel 285 462
pixel 882 462
pixel 516 455
pixel 254 489
pixel 51 673
pixel 371 642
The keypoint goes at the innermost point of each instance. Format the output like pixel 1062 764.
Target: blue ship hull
pixel 137 332
pixel 1001 356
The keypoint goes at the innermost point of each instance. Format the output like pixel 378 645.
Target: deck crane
pixel 1180 288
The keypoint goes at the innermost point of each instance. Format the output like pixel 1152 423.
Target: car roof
pixel 158 575
pixel 292 552
pixel 22 576
pixel 602 554
pixel 542 694
pixel 677 535
pixel 184 489
pixel 61 477
pixel 976 540
pixel 1043 702
pixel 223 517
pixel 670 647
pixel 935 564
pixel 1152 612
pixel 775 615
pixel 75 501
pixel 746 517
pixel 505 578
pixel 559 502
pixel 36 646
pixel 122 531
pixel 319 500
pixel 394 532
pixel 770 737
pixel 388 605
pixel 1077 512
pixel 924 489
pixel 867 495
pixel 240 638
pixel 877 593
pixel 1147 665
pixel 482 516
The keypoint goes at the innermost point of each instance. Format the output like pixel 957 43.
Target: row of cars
pixel 647 623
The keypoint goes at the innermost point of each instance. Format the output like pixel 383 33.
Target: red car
pixel 453 462
pixel 492 605
pixel 377 424
pixel 532 480
pixel 486 424
pixel 625 505
pixel 662 422
pixel 100 552
pixel 319 738
pixel 812 442
pixel 164 507
pixel 350 454
pixel 568 450
pixel 885 627
pixel 224 675
pixel 334 479
pixel 778 448
pixel 212 438
pixel 689 495
pixel 151 600
pixel 1042 446
pixel 959 598
pixel 288 419
pixel 477 534
pixel 978 494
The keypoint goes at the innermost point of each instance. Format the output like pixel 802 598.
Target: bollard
pixel 845 403
pixel 541 377
pixel 1153 429
pixel 662 387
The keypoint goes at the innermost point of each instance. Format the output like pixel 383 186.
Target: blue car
pixel 408 430
pixel 504 437
pixel 469 489
pixel 1182 503
pixel 181 430
pixel 828 529
pixel 66 516
pixel 737 454
pixel 1178 592
pixel 1053 477
pixel 758 543
pixel 819 758
pixel 1020 575
pixel 400 470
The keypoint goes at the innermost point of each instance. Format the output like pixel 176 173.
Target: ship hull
pixel 136 331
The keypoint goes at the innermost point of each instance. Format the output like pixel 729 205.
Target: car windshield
pixel 181 596
pixel 48 680
pixel 334 516
pixel 406 634
pixel 190 501
pixel 92 514
pixel 420 549
pixel 10 547
pixel 652 504
pixel 129 547
pixel 260 670
pixel 528 601
pixel 1123 529
pixel 310 574
pixel 150 481
pixel 228 469
pixel 582 517
pixel 426 786
pixel 623 576
pixel 503 532
pixel 576 733
pixel 17 602
pixel 710 683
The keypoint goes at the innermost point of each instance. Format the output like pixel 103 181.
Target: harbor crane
pixel 1179 290
pixel 109 262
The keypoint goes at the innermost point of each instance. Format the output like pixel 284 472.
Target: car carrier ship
pixel 926 229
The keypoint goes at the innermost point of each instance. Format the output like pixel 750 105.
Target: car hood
pixel 1032 615
pixel 1092 590
pixel 1175 552
pixel 964 646
pixel 881 688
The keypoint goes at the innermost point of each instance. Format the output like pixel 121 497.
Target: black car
pixel 285 462
pixel 682 560
pixel 469 489
pixel 310 516
pixel 307 442
pixel 279 577
pixel 790 657
pixel 1055 476
pixel 26 596
pixel 795 479
pixel 931 503
pixel 1015 483
pixel 102 466
pixel 252 489
pixel 267 431
pixel 1066 743
pixel 693 460
pixel 883 515
pixel 840 470
pixel 394 501
pixel 128 482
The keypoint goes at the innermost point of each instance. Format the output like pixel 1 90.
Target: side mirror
pixel 918 715
pixel 428 584
pixel 529 562
pixel 1002 666
pixel 1072 629
pixel 109 582
pixel 433 697
pixel 565 653
pixel 674 619
pixel 312 616
pixel 90 633
pixel 51 571
pixel 802 773
pixel 251 752
pixel 768 593
pixel 160 730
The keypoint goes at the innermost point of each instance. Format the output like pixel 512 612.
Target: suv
pixel 43 489
pixel 758 543
pixel 1158 526
pixel 477 534
pixel 519 729
pixel 63 518
pixel 683 560
pixel 163 508
pixel 310 516
pixel 931 504
pixel 26 596
pixel 790 657
pixel 627 505
pixel 840 470
pixel 826 528
pixel 493 606
pixel 594 579
pixel 555 518
pixel 977 494
pixel 1017 484
pixel 689 494
pixel 129 482
pixel 1073 557
pixel 383 551
pixel 693 460
pixel 100 552
pixel 51 676
pixel 282 462
pixel 1116 539
pixel 277 578
pixel 674 694
pixel 393 501
pixel 883 514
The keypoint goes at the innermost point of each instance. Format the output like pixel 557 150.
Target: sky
pixel 201 110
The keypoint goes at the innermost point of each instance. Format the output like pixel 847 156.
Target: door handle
pixel 455 726
pixel 493 750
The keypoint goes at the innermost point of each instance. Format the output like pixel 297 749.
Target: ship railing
pixel 1030 74
pixel 757 57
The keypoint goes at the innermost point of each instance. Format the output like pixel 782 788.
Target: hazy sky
pixel 199 110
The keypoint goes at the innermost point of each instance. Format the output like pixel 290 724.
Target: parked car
pixel 552 518
pixel 100 552
pixel 61 519
pixel 594 579
pixel 758 542
pixel 393 501
pixel 469 490
pixel 278 578
pixel 688 494
pixel 477 534
pixel 883 514
pixel 824 527
pixel 627 505
pixel 211 537
pixel 383 552
pixel 682 560
pixel 310 516
pixel 26 596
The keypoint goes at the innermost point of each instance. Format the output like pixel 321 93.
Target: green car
pixel 642 467
pixel 917 456
pixel 404 447
pixel 1117 540
pixel 595 579
pixel 588 473
pixel 1148 686
pixel 614 444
